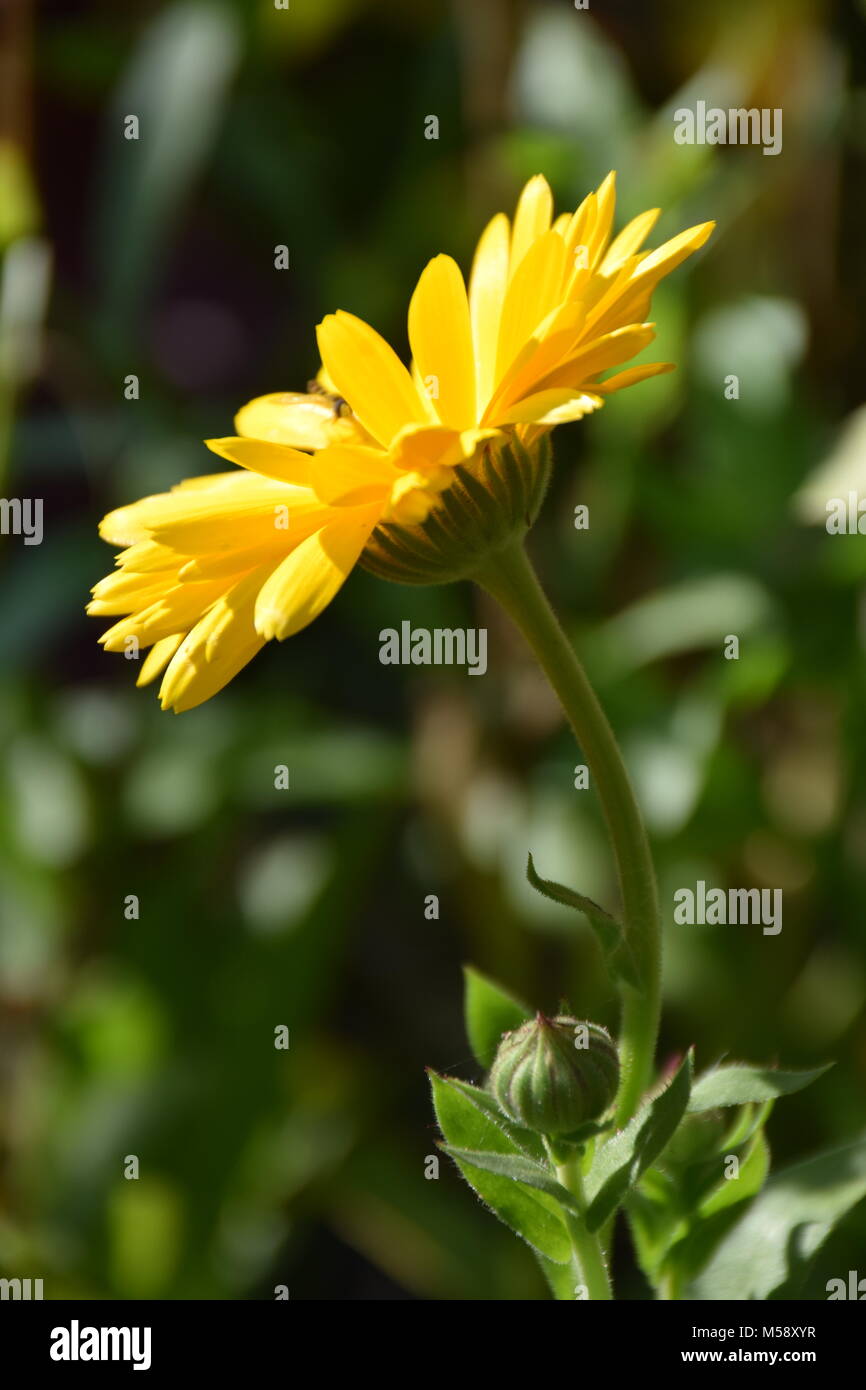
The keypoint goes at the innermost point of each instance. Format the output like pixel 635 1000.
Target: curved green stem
pixel 510 579
pixel 586 1246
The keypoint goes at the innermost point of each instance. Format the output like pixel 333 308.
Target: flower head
pixel 409 470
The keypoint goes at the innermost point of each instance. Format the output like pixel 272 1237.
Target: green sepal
pixel 489 1012
pixel 611 937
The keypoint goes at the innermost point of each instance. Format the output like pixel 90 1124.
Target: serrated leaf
pixel 610 934
pixel 490 1011
pixel 517 1169
pixel 620 1162
pixel 741 1084
pixel 530 1213
pixel 766 1255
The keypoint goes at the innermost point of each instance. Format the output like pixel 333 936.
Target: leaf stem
pixel 509 577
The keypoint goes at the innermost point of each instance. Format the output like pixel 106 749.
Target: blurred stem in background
pixel 25 275
pixel 511 580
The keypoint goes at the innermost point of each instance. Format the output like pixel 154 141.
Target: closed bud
pixel 553 1075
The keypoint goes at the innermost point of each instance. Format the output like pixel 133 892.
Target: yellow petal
pixel 158 658
pixel 441 340
pixel 147 557
pixel 487 285
pixel 351 474
pixel 631 376
pixel 626 301
pixel 531 219
pixel 307 580
pixel 126 593
pixel 552 341
pixel 424 397
pixel 224 563
pixel 605 205
pixel 275 461
pixel 629 240
pixel 553 408
pixel 580 226
pixel 216 520
pixel 601 354
pixel 369 375
pixel 304 422
pixel 666 257
pixel 425 447
pixel 533 292
pixel 215 650
pixel 211 495
pixel 174 611
pixel 413 495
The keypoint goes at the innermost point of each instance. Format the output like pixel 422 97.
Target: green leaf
pixel 490 1012
pixel 531 1213
pixel 526 1140
pixel 518 1169
pixel 655 1220
pixel 754 1169
pixel 611 937
pixel 463 1121
pixel 620 1162
pixel 740 1085
pixel 750 1119
pixel 676 1230
pixel 718 1212
pixel 563 1279
pixel 766 1255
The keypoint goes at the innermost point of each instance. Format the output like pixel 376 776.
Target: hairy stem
pixel 586 1246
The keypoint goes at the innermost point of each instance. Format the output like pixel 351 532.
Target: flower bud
pixel 554 1074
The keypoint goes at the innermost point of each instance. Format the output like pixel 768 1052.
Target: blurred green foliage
pixel 258 908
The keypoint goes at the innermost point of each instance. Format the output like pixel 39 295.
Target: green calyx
pixel 492 501
pixel 553 1075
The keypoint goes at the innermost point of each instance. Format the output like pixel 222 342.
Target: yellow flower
pixel 213 569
